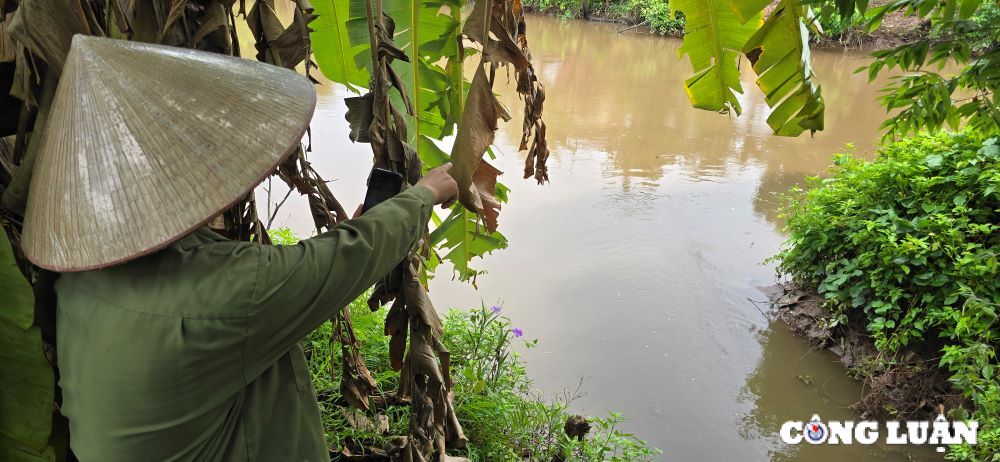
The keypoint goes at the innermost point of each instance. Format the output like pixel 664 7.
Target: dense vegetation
pixel 906 245
pixel 653 13
pixel 909 245
pixel 853 30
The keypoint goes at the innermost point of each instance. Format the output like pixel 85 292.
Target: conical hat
pixel 145 143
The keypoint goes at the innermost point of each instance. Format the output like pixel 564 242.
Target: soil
pixel 896 29
pixel 906 386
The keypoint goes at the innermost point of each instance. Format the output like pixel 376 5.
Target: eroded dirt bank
pixel 908 385
pixel 896 28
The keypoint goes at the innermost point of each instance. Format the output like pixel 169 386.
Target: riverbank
pixel 896 262
pixel 653 17
pixel 909 388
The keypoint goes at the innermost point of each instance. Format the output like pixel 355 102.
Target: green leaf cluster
pixel 563 8
pixel 947 79
pixel 909 243
pixel 657 14
pixel 428 32
pixel 719 32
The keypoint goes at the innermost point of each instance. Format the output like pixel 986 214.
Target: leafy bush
pixel 835 26
pixel 909 242
pixel 564 8
pixel 986 33
pixel 654 13
pixel 657 14
pixel 503 418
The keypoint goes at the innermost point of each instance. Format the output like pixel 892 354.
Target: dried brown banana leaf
pixel 47 27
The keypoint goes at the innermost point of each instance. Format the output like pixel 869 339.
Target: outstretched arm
pixel 299 287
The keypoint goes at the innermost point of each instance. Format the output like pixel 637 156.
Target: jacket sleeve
pixel 299 287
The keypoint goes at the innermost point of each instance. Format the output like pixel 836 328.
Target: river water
pixel 636 268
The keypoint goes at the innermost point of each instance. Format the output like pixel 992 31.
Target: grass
pixel 503 418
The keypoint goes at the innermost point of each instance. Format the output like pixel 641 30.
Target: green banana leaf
pixel 779 54
pixel 714 39
pixel 428 32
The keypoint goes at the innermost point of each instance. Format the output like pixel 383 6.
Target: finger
pixel 446 166
pixel 449 202
pixel 357 212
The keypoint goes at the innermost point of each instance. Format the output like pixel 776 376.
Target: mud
pixel 907 385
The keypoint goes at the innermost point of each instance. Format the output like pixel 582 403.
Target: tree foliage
pixel 926 95
pixel 779 54
pixel 940 81
pixel 431 81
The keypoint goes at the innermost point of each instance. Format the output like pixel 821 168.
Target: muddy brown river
pixel 637 267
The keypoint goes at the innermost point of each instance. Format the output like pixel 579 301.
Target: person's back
pixel 152 362
pixel 192 353
pixel 181 345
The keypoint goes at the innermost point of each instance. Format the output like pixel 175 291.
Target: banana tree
pixel 412 55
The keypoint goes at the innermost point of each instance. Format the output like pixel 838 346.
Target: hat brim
pixel 146 143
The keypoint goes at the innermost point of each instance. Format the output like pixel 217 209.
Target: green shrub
pixel 909 242
pixel 986 33
pixel 503 418
pixel 835 25
pixel 564 8
pixel 657 14
pixel 654 13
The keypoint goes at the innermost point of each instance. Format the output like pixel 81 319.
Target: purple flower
pixel 517 331
pixel 496 309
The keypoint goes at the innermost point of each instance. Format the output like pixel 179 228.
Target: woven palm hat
pixel 145 143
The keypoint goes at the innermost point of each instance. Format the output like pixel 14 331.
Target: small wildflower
pixel 496 309
pixel 517 332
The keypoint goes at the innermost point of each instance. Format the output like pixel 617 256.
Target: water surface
pixel 635 268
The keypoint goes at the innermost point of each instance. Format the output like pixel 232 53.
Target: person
pixel 186 347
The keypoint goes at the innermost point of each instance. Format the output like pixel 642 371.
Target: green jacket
pixel 192 353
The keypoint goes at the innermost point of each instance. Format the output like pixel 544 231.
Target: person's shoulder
pixel 204 241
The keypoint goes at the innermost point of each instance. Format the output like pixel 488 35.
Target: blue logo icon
pixel 815 430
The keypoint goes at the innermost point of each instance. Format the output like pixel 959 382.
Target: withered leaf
pixel 504 48
pixel 475 134
pixel 356 382
pixel 286 47
pixel 485 182
pixel 534 162
pixel 7 48
pixel 177 8
pixel 47 27
pixel 293 44
pixel 396 323
pixel 214 23
pixel 360 116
